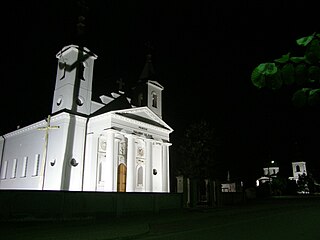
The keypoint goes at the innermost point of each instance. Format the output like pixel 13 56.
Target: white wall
pixel 24 147
pixel 1 149
pixel 65 144
pixel 24 154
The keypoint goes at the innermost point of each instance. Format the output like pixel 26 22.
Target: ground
pixel 273 218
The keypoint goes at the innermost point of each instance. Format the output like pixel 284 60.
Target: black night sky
pixel 204 52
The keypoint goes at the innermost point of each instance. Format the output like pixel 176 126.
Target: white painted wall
pixel 157 166
pixel 65 144
pixel 2 140
pixel 25 144
pixel 66 77
pixel 270 170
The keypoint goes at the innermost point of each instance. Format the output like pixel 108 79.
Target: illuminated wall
pixel 298 168
pixel 22 158
pixel 64 168
pixel 121 155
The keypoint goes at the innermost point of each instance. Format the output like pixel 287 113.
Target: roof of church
pixel 119 103
pixel 142 119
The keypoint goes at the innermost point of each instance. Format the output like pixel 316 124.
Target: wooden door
pixel 122 176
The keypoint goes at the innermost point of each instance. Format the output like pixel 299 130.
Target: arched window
pixel 62 67
pixel 100 172
pixel 297 168
pixel 154 100
pixel 140 99
pixel 140 176
pixel 82 67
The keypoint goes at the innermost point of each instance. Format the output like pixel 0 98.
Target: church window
pixel 53 162
pixel 80 101
pixel 36 165
pixel 14 168
pixel 59 101
pixel 81 71
pixel 4 170
pixel 140 99
pixel 62 67
pixel 297 168
pixel 24 167
pixel 100 172
pixel 140 177
pixel 74 162
pixel 154 100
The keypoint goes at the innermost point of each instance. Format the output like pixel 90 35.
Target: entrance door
pixel 122 176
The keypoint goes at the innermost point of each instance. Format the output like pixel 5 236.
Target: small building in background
pixel 298 169
pixel 269 171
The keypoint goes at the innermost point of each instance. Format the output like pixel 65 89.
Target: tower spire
pixel 148 72
pixel 81 24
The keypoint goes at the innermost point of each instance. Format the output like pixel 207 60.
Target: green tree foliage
pixel 197 158
pixel 300 72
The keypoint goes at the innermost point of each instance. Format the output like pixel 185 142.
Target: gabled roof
pixel 156 84
pixel 143 114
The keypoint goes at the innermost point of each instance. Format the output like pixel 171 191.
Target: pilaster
pixel 130 186
pixel 148 165
pixel 109 168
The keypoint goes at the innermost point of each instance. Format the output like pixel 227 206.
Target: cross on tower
pixel 44 156
pixel 120 83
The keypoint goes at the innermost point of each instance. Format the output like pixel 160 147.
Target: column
pixel 157 162
pixel 109 173
pixel 116 164
pixel 89 167
pixel 165 168
pixel 130 187
pixel 148 165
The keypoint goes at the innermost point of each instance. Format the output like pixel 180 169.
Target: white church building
pixel 120 144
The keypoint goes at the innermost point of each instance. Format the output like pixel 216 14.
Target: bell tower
pixel 73 87
pixel 148 91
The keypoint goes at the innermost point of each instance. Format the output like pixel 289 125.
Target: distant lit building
pixel 120 143
pixel 298 169
pixel 269 172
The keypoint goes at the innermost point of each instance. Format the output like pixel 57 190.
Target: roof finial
pixel 150 48
pixel 82 12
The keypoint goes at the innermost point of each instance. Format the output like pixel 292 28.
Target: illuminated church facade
pixel 120 144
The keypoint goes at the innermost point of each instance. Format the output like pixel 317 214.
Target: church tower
pixel 148 91
pixel 73 87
